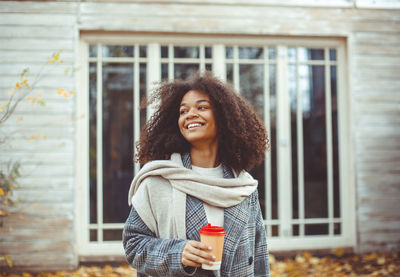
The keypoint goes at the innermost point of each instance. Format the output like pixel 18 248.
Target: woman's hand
pixel 196 253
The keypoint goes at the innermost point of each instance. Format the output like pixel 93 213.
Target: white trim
pixel 136 104
pixel 218 61
pixel 374 4
pixel 309 242
pixel 153 71
pixel 283 145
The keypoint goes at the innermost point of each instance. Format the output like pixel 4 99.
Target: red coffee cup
pixel 213 236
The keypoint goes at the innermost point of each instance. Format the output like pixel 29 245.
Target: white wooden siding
pixel 31 31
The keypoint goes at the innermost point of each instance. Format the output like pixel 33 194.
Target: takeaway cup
pixel 213 236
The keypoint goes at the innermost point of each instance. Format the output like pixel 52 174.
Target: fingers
pixel 196 253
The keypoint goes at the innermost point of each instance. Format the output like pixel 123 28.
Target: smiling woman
pixel 196 149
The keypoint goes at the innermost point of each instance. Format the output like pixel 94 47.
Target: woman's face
pixel 196 118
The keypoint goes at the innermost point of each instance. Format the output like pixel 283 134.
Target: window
pixel 296 87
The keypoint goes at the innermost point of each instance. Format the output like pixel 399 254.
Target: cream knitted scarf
pixel 218 192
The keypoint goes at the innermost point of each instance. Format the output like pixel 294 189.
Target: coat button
pixel 250 260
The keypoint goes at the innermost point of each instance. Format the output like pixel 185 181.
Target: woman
pixel 196 149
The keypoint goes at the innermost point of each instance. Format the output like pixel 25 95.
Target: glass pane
pixel 93 51
pixel 252 85
pixel 312 89
pixel 229 73
pixel 272 139
pixel 208 66
pixel 258 173
pixel 92 141
pixel 316 229
pixel 229 52
pixel 117 140
pixel 93 235
pixel 185 71
pixel 164 51
pixel 295 230
pixel 164 71
pixel 292 53
pixel 275 230
pixel 113 234
pixel 117 51
pixel 332 54
pixel 337 228
pixel 272 53
pixel 335 143
pixel 186 52
pixel 306 54
pixel 143 88
pixel 143 51
pixel 292 85
pixel 251 53
pixel 208 51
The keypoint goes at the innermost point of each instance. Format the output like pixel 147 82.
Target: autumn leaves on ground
pixel 339 264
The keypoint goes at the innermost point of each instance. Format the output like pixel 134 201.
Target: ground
pixel 305 264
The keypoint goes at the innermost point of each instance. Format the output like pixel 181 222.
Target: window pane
pixel 93 51
pixel 229 52
pixel 292 54
pixel 335 143
pixel 312 89
pixel 272 53
pixel 337 228
pixel 117 140
pixel 186 52
pixel 143 88
pixel 93 235
pixel 185 71
pixel 92 141
pixel 272 140
pixel 208 51
pixel 332 54
pixel 251 53
pixel 112 235
pixel 208 66
pixel 229 73
pixel 117 51
pixel 143 51
pixel 252 85
pixel 295 230
pixel 292 85
pixel 164 51
pixel 306 54
pixel 164 71
pixel 316 229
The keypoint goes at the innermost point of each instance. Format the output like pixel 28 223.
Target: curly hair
pixel 241 133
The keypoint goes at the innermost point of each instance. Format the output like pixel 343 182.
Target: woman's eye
pixel 203 107
pixel 182 111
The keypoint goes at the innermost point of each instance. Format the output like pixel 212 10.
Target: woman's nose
pixel 192 113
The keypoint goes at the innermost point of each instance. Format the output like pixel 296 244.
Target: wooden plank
pixel 377 38
pixel 47 44
pixel 379 184
pixel 375 61
pixel 377 50
pixel 62 20
pixel 45 7
pixel 48 81
pixel 26 31
pixel 31 182
pixel 43 233
pixel 33 56
pixel 390 109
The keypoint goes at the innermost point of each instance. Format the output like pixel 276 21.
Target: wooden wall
pixel 31 31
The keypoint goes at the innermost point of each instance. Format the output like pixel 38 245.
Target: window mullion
pixel 283 145
pixel 218 61
pixel 136 103
pixel 153 72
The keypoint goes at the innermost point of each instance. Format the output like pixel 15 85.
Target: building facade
pixel 324 76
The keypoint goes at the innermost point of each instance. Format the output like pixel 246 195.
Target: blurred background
pixel 323 75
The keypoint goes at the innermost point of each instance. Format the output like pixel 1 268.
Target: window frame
pixel 153 42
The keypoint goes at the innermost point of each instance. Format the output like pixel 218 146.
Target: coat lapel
pixel 235 220
pixel 195 217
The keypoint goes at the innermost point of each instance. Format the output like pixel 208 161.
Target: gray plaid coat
pixel 245 248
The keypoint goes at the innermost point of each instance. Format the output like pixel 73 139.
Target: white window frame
pixel 347 238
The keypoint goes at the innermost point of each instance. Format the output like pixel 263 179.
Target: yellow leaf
pixel 1 192
pixel 40 95
pixel 107 268
pixel 71 92
pixel 61 60
pixel 18 85
pixel 20 119
pixel 24 82
pixel 339 252
pixel 20 216
pixel 65 95
pixel 25 274
pixel 11 228
pixel 60 91
pixel 28 86
pixel 10 93
pixel 9 261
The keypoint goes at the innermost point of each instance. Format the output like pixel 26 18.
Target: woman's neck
pixel 204 157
